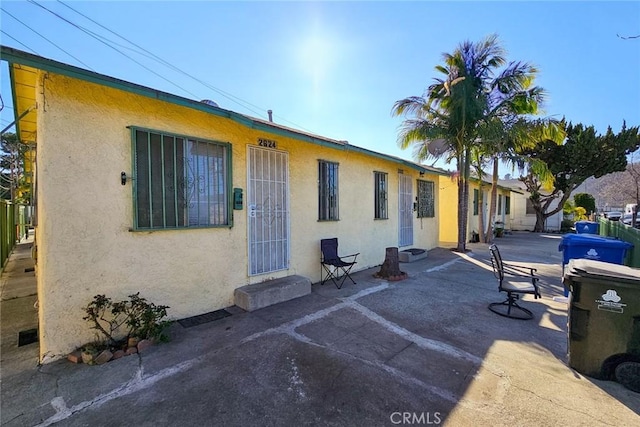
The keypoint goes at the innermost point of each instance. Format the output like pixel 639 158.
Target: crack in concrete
pixel 138 382
pixel 568 408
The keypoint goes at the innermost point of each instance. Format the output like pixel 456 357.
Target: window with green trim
pixel 426 199
pixel 327 191
pixel 507 205
pixel 180 181
pixel 500 204
pixel 380 195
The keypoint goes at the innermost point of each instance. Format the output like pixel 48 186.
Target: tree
pixel 583 154
pixel 454 109
pixel 513 133
pixel 13 182
pixel 586 201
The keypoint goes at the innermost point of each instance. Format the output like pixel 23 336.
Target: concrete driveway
pixel 422 351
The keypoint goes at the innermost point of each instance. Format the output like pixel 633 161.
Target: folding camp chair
pixel 514 280
pixel 333 265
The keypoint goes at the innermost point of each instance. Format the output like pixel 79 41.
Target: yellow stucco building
pixel 139 190
pixel 448 208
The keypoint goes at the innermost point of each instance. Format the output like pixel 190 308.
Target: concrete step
pixel 254 297
pixel 411 255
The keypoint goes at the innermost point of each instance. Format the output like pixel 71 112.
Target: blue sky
pixel 336 68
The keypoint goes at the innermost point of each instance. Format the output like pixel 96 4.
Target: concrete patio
pixel 425 350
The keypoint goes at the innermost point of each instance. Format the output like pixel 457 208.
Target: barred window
pixel 180 181
pixel 426 199
pixel 327 191
pixel 380 196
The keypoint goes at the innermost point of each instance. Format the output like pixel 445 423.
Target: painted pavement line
pixel 140 382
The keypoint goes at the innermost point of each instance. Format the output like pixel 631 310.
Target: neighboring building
pixel 523 216
pixel 448 212
pixel 139 190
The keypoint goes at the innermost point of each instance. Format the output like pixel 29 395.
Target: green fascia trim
pixel 16 113
pixel 12 55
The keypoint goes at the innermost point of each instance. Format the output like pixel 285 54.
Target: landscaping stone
pixel 144 344
pixel 103 357
pixel 130 351
pixel 75 357
pixel 118 354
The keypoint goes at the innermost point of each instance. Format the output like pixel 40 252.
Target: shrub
pixel 136 318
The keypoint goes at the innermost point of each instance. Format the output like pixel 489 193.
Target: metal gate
pixel 405 210
pixel 268 210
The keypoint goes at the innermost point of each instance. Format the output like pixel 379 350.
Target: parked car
pixel 613 216
pixel 626 219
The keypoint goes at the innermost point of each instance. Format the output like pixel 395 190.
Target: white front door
pixel 405 210
pixel 268 210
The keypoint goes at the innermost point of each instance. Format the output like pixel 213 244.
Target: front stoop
pixel 254 297
pixel 411 255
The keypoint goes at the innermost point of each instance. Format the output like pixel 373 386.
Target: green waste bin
pixel 604 317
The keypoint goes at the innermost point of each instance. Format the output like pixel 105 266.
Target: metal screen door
pixel 405 210
pixel 268 210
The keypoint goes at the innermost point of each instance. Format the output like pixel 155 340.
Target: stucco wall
pixel 522 221
pixel 85 246
pixel 448 213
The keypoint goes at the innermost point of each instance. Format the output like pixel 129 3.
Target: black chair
pixel 333 265
pixel 514 280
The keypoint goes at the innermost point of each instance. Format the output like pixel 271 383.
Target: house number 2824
pixel 270 143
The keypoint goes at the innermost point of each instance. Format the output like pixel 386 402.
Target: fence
pixel 13 227
pixel 623 232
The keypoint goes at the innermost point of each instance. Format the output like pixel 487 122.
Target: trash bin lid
pixel 598 269
pixel 592 239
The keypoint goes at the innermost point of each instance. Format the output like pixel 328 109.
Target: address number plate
pixel 269 143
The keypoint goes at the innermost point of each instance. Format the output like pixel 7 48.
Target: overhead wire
pixel 142 51
pixel 108 45
pixel 151 55
pixel 18 41
pixel 80 61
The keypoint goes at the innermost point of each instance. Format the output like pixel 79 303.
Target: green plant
pixel 91 350
pixel 138 317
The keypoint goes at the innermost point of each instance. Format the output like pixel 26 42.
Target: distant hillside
pixel 613 191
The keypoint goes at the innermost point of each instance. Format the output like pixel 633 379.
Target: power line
pixel 108 45
pixel 227 95
pixel 151 55
pixel 18 41
pixel 47 39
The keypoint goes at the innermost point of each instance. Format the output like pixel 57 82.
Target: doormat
pixel 204 318
pixel 27 337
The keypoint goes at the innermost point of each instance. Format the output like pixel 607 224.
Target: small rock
pixel 132 342
pixel 131 350
pixel 103 357
pixel 144 344
pixel 118 354
pixel 75 357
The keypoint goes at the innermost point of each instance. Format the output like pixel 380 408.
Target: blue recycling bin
pixel 589 246
pixel 587 227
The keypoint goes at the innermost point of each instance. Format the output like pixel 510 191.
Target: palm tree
pixel 458 106
pixel 505 138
